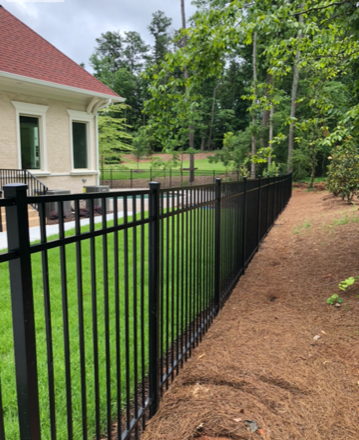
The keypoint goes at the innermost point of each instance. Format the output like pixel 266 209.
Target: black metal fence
pixel 99 314
pixel 117 178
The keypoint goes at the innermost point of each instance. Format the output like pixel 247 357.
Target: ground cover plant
pixel 135 303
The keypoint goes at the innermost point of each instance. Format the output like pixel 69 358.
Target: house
pixel 48 110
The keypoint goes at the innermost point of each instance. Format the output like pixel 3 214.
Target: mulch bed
pixel 260 361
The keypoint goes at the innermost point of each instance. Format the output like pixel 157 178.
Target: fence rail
pixel 168 178
pixel 99 314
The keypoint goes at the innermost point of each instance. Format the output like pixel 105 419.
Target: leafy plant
pixel 343 175
pixel 334 299
pixel 343 285
pixel 53 215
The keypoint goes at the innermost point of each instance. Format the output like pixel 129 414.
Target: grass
pixel 345 219
pixel 123 174
pixel 132 302
pixel 305 225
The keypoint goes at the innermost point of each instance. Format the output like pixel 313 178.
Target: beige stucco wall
pixel 58 141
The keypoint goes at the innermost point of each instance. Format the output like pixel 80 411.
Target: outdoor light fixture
pixel 84 180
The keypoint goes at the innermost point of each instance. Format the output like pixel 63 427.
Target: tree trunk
pixel 253 148
pixel 294 98
pixel 312 174
pixel 191 165
pixel 203 142
pixel 191 128
pixel 212 115
pixel 266 113
pixel 270 132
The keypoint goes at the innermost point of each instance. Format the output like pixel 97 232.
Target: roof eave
pixel 39 82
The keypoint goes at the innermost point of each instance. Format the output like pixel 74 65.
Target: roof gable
pixel 24 52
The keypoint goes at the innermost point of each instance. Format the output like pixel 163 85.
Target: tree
pixel 159 30
pixel 110 47
pixel 113 138
pixel 140 145
pixel 343 176
pixel 135 52
pixel 294 96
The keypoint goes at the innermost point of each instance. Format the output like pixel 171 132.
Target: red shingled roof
pixel 23 52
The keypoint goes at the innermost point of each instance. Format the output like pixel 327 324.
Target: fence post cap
pixel 11 189
pixel 155 185
pixel 218 180
pixel 15 186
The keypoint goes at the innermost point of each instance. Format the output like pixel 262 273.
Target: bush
pixel 84 212
pixel 53 215
pixel 343 175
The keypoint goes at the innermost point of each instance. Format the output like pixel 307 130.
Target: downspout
pixel 97 152
pixel 95 110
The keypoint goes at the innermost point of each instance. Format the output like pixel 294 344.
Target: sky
pixel 73 25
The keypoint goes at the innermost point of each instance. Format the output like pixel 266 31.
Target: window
pixel 82 130
pixel 79 142
pixel 31 136
pixel 30 143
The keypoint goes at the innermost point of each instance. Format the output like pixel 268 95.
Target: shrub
pixel 97 210
pixel 84 212
pixel 343 175
pixel 53 215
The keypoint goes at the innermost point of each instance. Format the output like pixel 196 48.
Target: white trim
pixel 76 116
pixel 41 173
pixel 60 86
pixel 59 174
pixel 83 173
pixel 97 153
pixel 91 105
pixel 25 109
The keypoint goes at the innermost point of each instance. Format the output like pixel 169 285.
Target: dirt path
pixel 259 360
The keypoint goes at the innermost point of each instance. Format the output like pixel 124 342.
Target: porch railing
pixel 34 186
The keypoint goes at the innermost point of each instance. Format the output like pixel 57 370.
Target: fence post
pixel 244 232
pixel 217 244
pixel 23 312
pixel 170 177
pixel 214 176
pixel 131 178
pixel 0 213
pixel 154 297
pixel 259 209
pixel 111 186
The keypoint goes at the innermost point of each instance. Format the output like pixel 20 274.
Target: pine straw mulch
pixel 259 360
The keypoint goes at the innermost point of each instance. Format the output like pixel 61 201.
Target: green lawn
pixel 203 165
pixel 204 169
pixel 129 301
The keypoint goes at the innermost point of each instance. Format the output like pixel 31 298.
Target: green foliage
pixel 343 285
pixel 235 152
pixel 113 138
pixel 273 170
pixel 158 163
pixel 205 87
pixel 343 174
pixel 334 299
